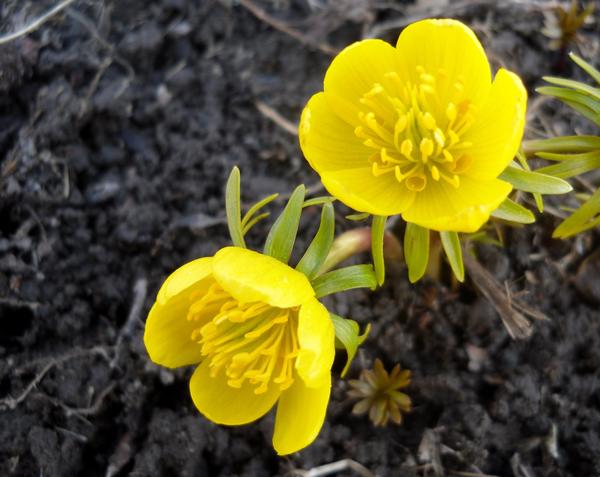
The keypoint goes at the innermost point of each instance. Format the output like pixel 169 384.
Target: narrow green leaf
pixel 326 199
pixel 584 111
pixel 256 207
pixel 377 233
pixel 453 250
pixel 233 208
pixel 317 251
pixel 563 144
pixel 576 85
pixel 587 67
pixel 522 158
pixel 354 276
pixel 482 237
pixel 281 238
pixel 567 94
pixel 585 218
pixel 530 181
pixel 416 251
pixel 513 212
pixel 347 333
pixel 358 217
pixel 253 222
pixel 573 165
pixel 580 102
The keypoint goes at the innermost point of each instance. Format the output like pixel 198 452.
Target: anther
pixel 426 148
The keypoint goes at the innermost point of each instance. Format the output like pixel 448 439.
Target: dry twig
pixel 11 403
pixel 140 290
pixel 282 27
pixel 35 24
pixel 277 118
pixel 333 468
pixel 512 312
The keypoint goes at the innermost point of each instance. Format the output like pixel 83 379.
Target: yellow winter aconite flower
pixel 419 130
pixel 259 335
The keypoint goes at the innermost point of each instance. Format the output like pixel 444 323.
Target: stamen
pixel 252 342
pixel 417 138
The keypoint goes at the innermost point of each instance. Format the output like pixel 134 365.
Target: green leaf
pixel 343 279
pixel 522 158
pixel 585 218
pixel 588 68
pixel 347 333
pixel 563 144
pixel 513 212
pixel 377 233
pixel 571 165
pixel 233 208
pixel 317 251
pixel 255 208
pixel 483 237
pixel 580 102
pixel 530 181
pixel 326 199
pixel 281 238
pixel 575 85
pixel 416 251
pixel 453 250
pixel 358 217
pixel 253 222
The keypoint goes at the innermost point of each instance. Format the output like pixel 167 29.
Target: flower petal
pixel 316 339
pixel 184 277
pixel 497 132
pixel 224 404
pixel 465 209
pixel 450 47
pixel 167 334
pixel 250 276
pixel 356 69
pixel 360 190
pixel 300 415
pixel 328 142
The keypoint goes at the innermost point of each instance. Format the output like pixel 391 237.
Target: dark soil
pixel 119 123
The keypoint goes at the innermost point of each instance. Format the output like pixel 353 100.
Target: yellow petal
pixel 316 339
pixel 356 69
pixel 465 209
pixel 250 276
pixel 167 333
pixel 360 190
pixel 224 404
pixel 450 52
pixel 300 415
pixel 497 132
pixel 328 143
pixel 184 277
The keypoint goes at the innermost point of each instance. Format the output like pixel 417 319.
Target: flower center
pixel 249 341
pixel 416 136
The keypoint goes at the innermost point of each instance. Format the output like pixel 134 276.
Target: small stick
pixel 11 403
pixel 516 324
pixel 282 27
pixel 277 118
pixel 334 467
pixel 140 290
pixel 36 23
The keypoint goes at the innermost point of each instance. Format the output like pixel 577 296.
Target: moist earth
pixel 119 123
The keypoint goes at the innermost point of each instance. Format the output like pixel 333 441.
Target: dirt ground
pixel 119 123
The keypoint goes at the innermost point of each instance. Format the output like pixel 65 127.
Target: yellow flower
pixel 419 130
pixel 260 336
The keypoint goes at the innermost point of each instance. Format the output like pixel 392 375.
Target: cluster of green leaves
pixel 417 239
pixel 280 242
pixel 574 155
